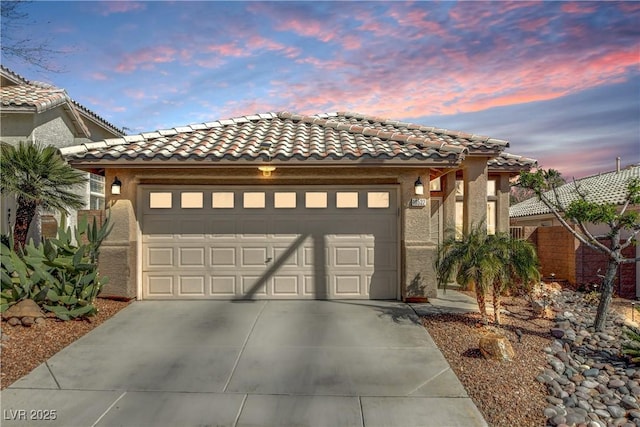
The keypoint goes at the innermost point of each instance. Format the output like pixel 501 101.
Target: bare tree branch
pixel 33 52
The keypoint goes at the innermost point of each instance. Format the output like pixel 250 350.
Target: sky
pixel 559 80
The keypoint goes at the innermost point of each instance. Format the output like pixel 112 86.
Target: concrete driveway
pixel 263 363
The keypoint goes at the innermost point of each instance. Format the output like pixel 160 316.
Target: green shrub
pixel 60 275
pixel 631 347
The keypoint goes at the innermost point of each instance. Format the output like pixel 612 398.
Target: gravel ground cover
pixel 506 393
pixel 22 349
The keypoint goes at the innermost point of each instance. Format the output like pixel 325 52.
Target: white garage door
pixel 284 242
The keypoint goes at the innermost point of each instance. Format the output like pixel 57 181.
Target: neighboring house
pixel 41 113
pixel 563 256
pixel 282 205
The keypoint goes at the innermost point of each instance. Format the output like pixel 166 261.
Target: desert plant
pixel 488 262
pixel 38 177
pixel 471 261
pixel 517 267
pixel 631 347
pixel 60 274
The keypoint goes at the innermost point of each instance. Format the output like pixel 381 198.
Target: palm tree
pixel 487 262
pixel 471 262
pixel 38 177
pixel 518 263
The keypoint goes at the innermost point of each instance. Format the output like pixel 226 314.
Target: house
pixel 39 112
pixel 283 205
pixel 564 257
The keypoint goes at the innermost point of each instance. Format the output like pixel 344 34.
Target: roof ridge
pixel 417 126
pixel 12 75
pixel 371 131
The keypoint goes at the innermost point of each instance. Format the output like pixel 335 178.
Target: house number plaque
pixel 418 203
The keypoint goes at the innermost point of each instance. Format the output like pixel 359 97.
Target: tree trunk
pixel 497 303
pixel 607 293
pixel 25 212
pixel 482 304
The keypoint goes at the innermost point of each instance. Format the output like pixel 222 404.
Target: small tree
pixel 38 177
pixel 488 262
pixel 581 212
pixel 518 264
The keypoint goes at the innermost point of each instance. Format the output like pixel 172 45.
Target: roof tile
pixel 287 135
pixel 608 187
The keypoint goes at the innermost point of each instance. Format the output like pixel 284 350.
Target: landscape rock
pixel 24 308
pixel 586 370
pixel 495 346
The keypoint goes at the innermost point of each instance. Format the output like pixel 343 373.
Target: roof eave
pixel 190 162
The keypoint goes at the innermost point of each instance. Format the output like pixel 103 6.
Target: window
pixel 315 199
pixel 378 199
pixel 346 199
pixel 191 200
pixel 435 184
pixel 160 200
pixel 96 192
pixel 492 203
pixel 253 200
pixel 284 200
pixel 222 200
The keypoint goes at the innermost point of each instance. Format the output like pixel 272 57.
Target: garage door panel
pixel 159 257
pixel 192 286
pixel 223 286
pixel 191 257
pixel 224 257
pixel 286 256
pixel 309 259
pixel 348 285
pixel 253 285
pixel 347 257
pixel 252 257
pixel 286 285
pixel 268 251
pixel 315 288
pixel 159 285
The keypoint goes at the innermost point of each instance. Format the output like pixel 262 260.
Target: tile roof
pixel 38 97
pixel 26 95
pixel 608 187
pixel 285 136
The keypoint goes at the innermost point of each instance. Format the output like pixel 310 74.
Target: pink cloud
pixel 110 7
pixel 418 19
pixel 578 7
pixel 146 58
pixel 135 94
pixel 227 49
pixel 256 43
pixel 99 76
pixel 308 28
pixel 534 25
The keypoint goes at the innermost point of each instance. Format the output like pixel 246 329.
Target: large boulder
pixel 26 312
pixel 496 346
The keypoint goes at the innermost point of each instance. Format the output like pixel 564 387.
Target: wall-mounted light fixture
pixel 116 186
pixel 418 188
pixel 266 170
